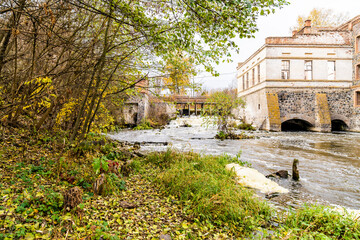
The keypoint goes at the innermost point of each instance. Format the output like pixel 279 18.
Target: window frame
pixel 247 80
pixel 258 73
pixel 334 70
pixel 243 82
pixel 308 70
pixel 357 72
pixel 357 98
pixel 253 76
pixel 357 44
pixel 285 69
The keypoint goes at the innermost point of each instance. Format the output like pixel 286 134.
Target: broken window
pixel 285 69
pixel 308 70
pixel 331 70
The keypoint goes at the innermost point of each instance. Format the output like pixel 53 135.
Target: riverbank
pixel 328 163
pixel 177 195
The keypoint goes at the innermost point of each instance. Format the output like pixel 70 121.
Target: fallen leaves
pixel 31 203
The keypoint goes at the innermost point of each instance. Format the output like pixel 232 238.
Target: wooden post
pixel 295 171
pixel 195 109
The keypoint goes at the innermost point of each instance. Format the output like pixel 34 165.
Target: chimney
pixel 307 28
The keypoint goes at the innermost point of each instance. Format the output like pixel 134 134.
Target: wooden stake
pixel 295 171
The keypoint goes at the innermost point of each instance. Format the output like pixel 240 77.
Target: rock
pixel 72 198
pixel 165 237
pixel 139 154
pixel 279 174
pixel 282 174
pixel 272 195
pixel 137 145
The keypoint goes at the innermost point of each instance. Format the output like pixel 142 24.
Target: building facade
pixel 310 80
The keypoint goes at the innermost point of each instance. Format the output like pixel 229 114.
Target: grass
pixel 319 222
pixel 185 195
pixel 210 194
pixel 144 125
pixel 203 182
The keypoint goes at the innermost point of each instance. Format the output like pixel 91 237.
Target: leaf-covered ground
pixel 36 169
pixel 34 175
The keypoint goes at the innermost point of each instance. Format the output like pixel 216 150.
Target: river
pixel 329 162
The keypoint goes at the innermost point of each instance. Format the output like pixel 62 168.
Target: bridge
pixel 289 110
pixel 187 105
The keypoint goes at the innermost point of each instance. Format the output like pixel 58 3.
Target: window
pixel 357 72
pixel 258 72
pixel 285 69
pixel 331 70
pixel 253 76
pixel 357 44
pixel 243 82
pixel 357 98
pixel 247 80
pixel 308 70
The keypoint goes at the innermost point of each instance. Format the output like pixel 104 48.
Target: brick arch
pixel 340 117
pixel 303 117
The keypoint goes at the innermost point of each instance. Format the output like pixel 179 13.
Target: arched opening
pixel 338 125
pixel 295 125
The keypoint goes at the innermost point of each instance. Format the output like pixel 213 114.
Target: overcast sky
pixel 277 24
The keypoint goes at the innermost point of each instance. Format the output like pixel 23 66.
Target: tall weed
pixel 210 189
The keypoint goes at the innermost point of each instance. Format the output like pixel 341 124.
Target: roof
pixel 349 24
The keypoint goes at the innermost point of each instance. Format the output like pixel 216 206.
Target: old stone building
pixel 308 81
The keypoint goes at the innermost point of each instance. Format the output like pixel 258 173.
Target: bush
pixel 209 188
pixel 144 125
pixel 222 136
pixel 246 126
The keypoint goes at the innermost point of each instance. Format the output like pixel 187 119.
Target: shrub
pixel 210 189
pixel 144 125
pixel 246 126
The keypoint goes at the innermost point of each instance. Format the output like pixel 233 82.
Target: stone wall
pixel 297 104
pixel 317 107
pixel 161 112
pixel 138 108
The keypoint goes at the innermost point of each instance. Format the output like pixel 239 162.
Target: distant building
pixel 307 81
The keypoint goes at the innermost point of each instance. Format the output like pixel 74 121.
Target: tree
pixel 321 17
pixel 62 61
pixel 178 71
pixel 219 111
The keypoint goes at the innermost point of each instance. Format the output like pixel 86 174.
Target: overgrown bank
pixel 184 195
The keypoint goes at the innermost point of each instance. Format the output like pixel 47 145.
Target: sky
pixel 275 25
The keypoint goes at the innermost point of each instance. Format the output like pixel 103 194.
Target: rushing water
pixel 329 162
